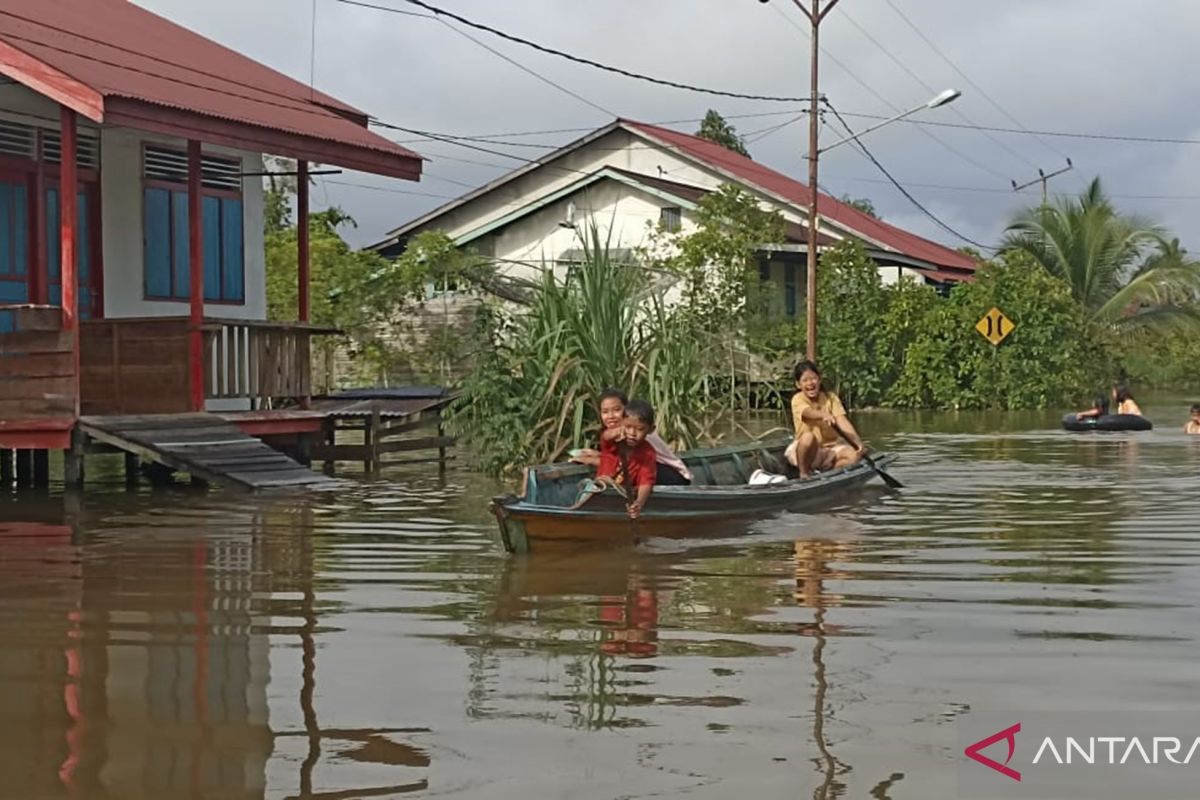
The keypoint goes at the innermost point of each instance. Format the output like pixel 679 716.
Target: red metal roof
pixel 793 191
pixel 113 61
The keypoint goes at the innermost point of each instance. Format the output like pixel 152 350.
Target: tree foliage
pixel 717 129
pixel 360 293
pixel 534 388
pixel 862 204
pixel 1122 268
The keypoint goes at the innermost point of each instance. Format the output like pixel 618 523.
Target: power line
pixel 521 66
pixel 996 105
pixel 908 195
pixel 872 91
pixel 570 57
pixel 1108 137
pixel 386 189
pixel 993 190
pixel 956 111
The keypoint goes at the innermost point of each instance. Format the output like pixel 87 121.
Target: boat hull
pixel 542 517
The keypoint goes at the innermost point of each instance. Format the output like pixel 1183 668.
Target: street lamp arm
pixel 948 96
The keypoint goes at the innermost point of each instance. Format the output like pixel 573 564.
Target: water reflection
pixel 377 643
pixel 138 665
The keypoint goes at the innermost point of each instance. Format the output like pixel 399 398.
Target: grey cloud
pixel 1076 65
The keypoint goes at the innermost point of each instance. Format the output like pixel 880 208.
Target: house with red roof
pixel 630 176
pixel 132 269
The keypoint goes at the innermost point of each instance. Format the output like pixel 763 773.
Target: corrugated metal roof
pixel 122 51
pixel 796 192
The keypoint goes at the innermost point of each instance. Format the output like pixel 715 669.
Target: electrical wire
pixel 908 195
pixel 927 87
pixel 979 89
pixel 875 93
pixel 571 57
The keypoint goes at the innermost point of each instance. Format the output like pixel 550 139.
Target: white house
pixel 629 175
pixel 100 310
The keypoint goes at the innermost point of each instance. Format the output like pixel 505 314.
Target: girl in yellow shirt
pixel 820 421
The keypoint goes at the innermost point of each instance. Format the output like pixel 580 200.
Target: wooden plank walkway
pixel 204 446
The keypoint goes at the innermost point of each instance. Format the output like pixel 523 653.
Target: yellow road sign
pixel 995 326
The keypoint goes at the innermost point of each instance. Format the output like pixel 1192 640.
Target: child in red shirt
pixel 631 461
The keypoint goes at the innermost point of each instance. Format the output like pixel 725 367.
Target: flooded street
pixel 376 642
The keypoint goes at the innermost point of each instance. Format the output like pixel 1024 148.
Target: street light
pixel 810 305
pixel 948 96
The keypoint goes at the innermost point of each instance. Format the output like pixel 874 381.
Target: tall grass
pixel 535 389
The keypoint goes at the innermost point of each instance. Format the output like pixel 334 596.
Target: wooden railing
pixel 268 363
pixel 139 365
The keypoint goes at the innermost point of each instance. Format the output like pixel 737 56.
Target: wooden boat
pixel 544 513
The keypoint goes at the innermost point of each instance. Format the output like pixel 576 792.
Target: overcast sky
pixel 1085 66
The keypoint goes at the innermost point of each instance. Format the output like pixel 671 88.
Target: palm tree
pixel 1121 267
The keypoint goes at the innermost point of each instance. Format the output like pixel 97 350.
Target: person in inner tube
pixel 1193 424
pixel 1099 409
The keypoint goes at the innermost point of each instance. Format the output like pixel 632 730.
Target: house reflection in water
pixel 139 670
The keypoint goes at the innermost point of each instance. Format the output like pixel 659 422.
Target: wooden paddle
pixel 891 482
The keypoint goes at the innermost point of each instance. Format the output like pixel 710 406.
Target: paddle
pixel 891 482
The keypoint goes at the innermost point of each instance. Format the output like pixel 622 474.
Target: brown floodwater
pixel 375 641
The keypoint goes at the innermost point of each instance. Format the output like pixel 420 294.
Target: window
pixel 671 218
pixel 166 271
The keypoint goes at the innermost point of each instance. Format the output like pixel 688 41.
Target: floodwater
pixel 375 642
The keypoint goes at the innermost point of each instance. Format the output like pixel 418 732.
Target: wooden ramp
pixel 204 446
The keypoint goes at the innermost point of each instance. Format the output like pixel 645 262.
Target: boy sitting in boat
pixel 820 420
pixel 629 461
pixel 670 469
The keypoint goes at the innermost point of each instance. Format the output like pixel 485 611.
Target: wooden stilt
pixel 73 461
pixel 24 468
pixel 441 429
pixel 371 440
pixel 329 467
pixel 41 468
pixel 131 469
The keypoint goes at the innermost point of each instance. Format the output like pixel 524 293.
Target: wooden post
pixel 131 470
pixel 371 440
pixel 329 429
pixel 24 468
pixel 39 288
pixel 441 431
pixel 302 239
pixel 195 277
pixel 73 460
pixel 41 468
pixel 6 467
pixel 68 201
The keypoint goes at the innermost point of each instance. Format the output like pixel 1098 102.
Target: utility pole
pixel 1043 179
pixel 816 15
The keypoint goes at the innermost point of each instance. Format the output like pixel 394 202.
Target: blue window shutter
pixel 211 216
pixel 20 229
pixel 156 240
pixel 179 224
pixel 8 229
pixel 53 236
pixel 234 279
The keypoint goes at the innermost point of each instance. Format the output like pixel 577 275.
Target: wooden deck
pixel 204 446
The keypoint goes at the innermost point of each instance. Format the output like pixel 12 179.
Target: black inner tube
pixel 1107 422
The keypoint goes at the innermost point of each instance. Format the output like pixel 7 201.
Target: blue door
pixel 83 252
pixel 14 247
